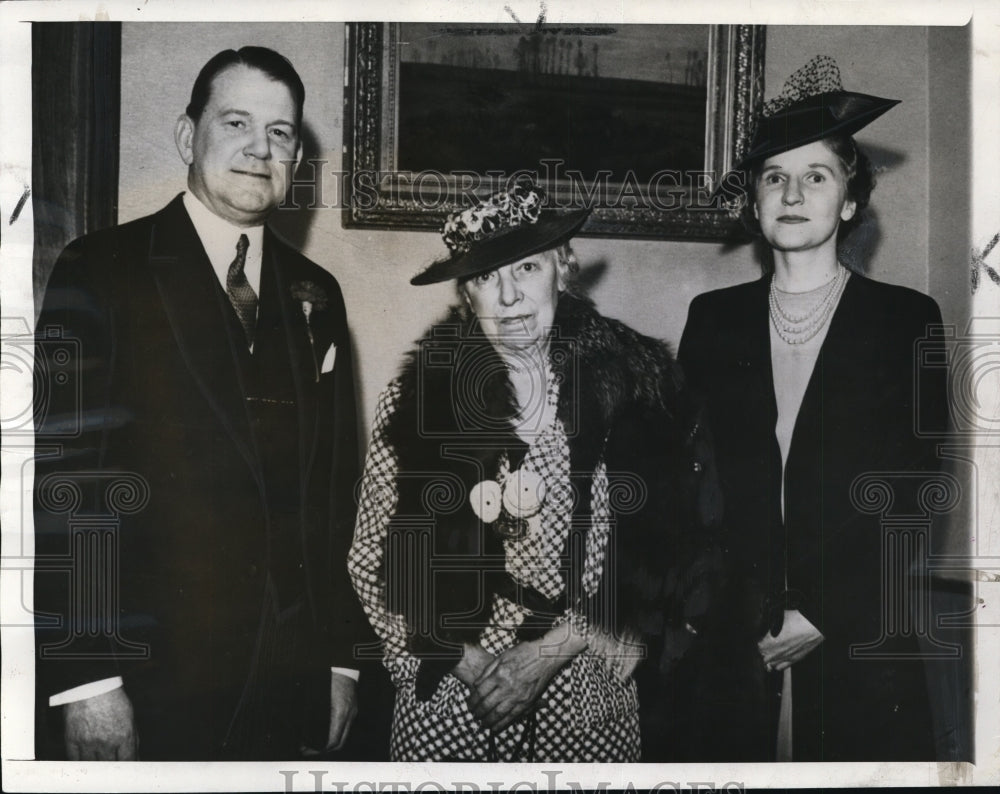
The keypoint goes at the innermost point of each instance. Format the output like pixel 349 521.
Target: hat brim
pixel 550 230
pixel 812 119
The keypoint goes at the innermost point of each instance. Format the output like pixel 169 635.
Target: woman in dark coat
pixel 529 519
pixel 810 378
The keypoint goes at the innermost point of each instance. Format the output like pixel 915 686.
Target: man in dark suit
pixel 194 495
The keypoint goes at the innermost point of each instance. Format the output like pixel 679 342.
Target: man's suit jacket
pixel 858 416
pixel 212 489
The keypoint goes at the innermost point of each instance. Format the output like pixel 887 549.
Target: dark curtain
pixel 76 97
pixel 76 103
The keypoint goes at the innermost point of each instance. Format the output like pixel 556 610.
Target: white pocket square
pixel 328 359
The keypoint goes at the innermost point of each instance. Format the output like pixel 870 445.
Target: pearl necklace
pixel 799 330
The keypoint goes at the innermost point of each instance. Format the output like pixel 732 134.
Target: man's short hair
pixel 273 64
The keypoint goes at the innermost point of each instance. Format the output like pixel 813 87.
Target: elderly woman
pixel 531 509
pixel 809 374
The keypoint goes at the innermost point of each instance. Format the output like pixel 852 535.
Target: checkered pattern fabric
pixel 589 712
pixel 442 729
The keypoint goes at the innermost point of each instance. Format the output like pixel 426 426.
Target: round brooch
pixel 509 508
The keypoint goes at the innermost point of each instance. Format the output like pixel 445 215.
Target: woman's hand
pixel 798 637
pixel 509 687
pixel 475 659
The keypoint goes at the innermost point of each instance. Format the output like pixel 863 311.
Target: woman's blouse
pixel 792 367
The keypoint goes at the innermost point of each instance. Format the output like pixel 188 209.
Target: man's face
pixel 237 150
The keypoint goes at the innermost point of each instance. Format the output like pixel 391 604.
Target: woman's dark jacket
pixel 869 420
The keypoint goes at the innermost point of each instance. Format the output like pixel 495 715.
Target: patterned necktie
pixel 241 294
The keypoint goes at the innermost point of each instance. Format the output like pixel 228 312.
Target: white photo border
pixel 16 218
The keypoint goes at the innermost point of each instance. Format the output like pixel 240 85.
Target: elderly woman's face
pixel 516 303
pixel 802 198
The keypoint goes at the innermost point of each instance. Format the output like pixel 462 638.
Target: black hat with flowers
pixel 812 105
pixel 506 227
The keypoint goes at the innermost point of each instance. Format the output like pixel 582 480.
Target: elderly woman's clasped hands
pixel 506 687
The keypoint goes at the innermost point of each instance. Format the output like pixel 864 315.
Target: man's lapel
pixel 301 353
pixel 194 304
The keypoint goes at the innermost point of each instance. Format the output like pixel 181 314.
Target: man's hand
pixel 798 637
pixel 343 710
pixel 101 728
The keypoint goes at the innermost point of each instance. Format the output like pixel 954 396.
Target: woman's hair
pixel 859 175
pixel 564 256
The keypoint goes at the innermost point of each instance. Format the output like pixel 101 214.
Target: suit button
pixel 252 570
pixel 697 466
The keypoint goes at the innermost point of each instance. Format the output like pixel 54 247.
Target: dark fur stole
pixel 622 399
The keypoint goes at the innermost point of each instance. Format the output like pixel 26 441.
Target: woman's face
pixel 802 198
pixel 516 303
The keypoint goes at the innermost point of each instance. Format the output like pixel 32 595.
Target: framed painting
pixel 636 121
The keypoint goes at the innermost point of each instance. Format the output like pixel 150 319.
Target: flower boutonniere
pixel 313 299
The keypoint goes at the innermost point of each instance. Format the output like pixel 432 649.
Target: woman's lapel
pixel 759 350
pixel 836 352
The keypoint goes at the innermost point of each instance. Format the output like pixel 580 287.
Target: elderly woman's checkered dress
pixel 589 711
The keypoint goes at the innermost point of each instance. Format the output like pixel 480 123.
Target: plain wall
pixel 950 197
pixel 916 236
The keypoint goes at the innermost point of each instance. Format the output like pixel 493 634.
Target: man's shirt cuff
pixel 95 688
pixel 355 674
pixel 84 691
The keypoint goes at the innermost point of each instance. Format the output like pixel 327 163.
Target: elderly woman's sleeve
pixel 376 504
pixel 620 653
